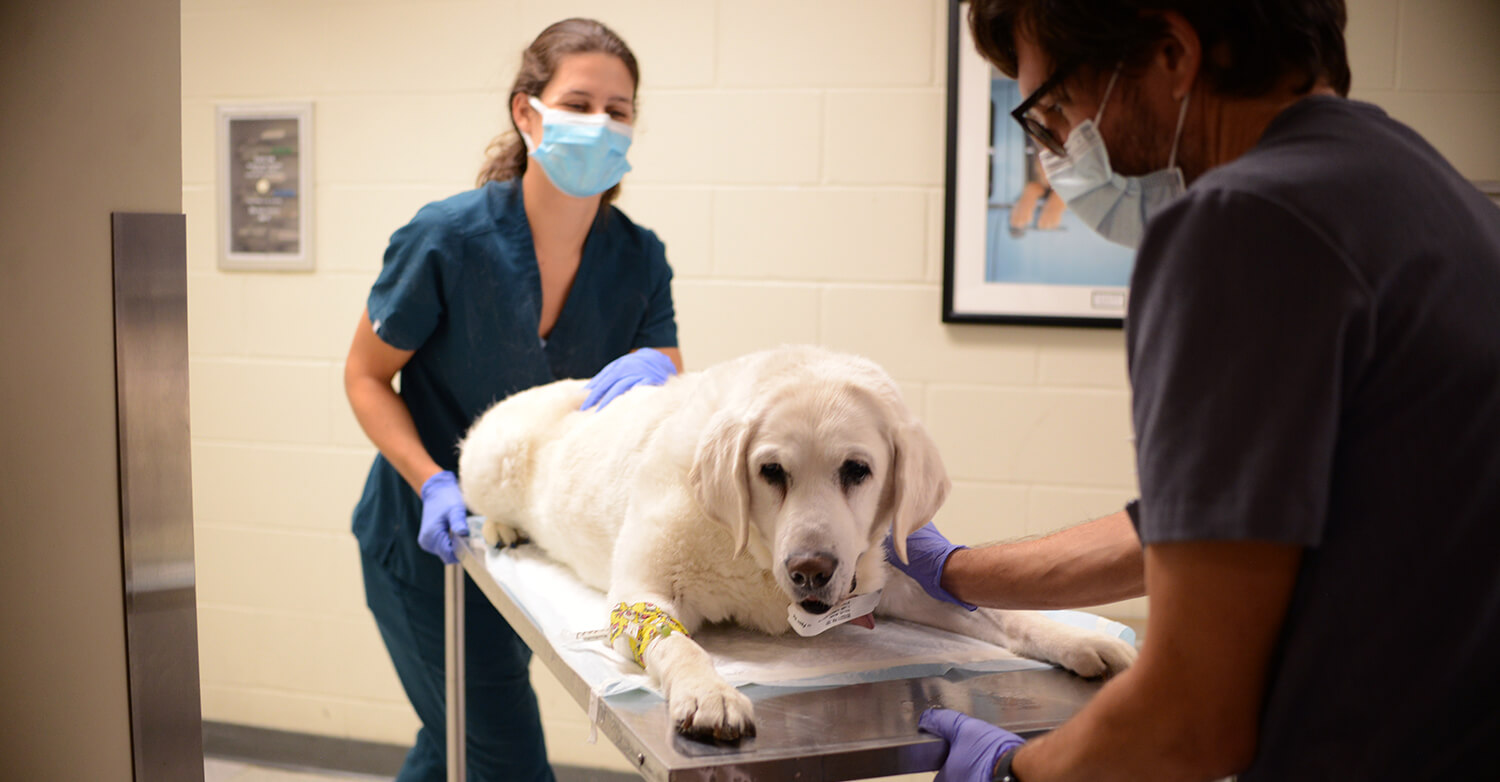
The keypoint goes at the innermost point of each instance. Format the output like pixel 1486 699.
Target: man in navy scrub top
pixel 1313 342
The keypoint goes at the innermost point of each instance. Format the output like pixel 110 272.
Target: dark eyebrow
pixel 586 94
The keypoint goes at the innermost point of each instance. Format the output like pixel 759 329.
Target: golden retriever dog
pixel 729 495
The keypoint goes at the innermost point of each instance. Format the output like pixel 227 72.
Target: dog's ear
pixel 720 478
pixel 920 481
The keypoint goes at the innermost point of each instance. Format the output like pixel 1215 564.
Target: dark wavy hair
pixel 1249 46
pixel 505 157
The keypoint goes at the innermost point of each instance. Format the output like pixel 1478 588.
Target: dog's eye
pixel 773 474
pixel 852 473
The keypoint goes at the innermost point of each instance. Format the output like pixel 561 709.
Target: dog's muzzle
pixel 811 575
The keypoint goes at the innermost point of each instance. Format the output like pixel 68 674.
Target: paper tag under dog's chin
pixel 855 607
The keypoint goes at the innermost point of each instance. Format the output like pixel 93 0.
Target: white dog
pixel 728 495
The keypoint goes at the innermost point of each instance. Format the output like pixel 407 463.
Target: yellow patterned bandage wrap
pixel 641 623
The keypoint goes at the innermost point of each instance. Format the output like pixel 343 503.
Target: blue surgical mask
pixel 583 154
pixel 1116 207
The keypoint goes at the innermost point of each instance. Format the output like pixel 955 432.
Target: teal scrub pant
pixel 505 741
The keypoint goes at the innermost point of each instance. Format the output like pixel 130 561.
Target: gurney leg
pixel 453 625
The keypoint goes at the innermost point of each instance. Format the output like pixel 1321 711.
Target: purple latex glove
pixel 974 746
pixel 443 512
pixel 927 551
pixel 646 365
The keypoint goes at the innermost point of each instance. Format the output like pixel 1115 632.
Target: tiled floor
pixel 216 770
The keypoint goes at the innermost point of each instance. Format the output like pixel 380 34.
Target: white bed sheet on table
pixel 561 606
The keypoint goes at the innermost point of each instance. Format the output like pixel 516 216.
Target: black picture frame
pixel 1066 275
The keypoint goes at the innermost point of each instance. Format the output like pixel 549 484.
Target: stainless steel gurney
pixel 857 731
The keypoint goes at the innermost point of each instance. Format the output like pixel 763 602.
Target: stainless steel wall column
pixel 156 495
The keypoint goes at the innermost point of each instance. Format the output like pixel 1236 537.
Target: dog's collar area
pixel 859 609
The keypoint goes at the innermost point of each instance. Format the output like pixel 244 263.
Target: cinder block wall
pixel 789 153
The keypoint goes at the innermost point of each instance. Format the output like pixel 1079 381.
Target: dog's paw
pixel 500 535
pixel 711 709
pixel 1092 655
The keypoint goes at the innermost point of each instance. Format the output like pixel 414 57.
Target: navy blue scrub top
pixel 460 286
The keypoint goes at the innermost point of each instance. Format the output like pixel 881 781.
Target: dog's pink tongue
pixel 867 621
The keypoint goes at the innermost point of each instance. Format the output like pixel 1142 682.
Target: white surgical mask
pixel 1116 207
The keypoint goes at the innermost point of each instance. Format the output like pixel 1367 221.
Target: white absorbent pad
pixel 562 607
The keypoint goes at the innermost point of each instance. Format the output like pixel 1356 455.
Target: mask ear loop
pixel 1176 137
pixel 1109 88
pixel 541 111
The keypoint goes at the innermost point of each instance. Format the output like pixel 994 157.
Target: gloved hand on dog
pixel 646 365
pixel 443 511
pixel 974 746
pixel 927 551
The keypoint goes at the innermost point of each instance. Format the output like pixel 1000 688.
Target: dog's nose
pixel 811 571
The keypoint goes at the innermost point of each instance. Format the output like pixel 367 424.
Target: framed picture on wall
pixel 265 187
pixel 1013 252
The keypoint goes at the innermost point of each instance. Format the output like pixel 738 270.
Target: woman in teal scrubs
pixel 532 277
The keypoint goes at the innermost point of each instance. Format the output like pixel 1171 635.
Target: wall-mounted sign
pixel 265 187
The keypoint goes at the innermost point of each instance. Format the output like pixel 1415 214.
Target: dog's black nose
pixel 811 571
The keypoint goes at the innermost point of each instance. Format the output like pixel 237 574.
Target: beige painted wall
pixel 88 92
pixel 789 153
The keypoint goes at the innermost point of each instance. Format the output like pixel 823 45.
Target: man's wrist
pixel 1003 771
pixel 953 570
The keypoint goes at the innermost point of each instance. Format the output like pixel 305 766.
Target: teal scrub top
pixel 460 287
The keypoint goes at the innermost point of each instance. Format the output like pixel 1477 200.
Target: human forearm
pixel 388 423
pixel 1089 564
pixel 1189 708
pixel 1134 729
pixel 368 372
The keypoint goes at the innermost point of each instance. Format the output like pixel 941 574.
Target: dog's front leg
pixel 700 702
pixel 1026 633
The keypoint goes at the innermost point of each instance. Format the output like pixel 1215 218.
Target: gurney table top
pixel 856 731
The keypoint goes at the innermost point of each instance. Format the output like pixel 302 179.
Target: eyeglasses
pixel 1033 125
